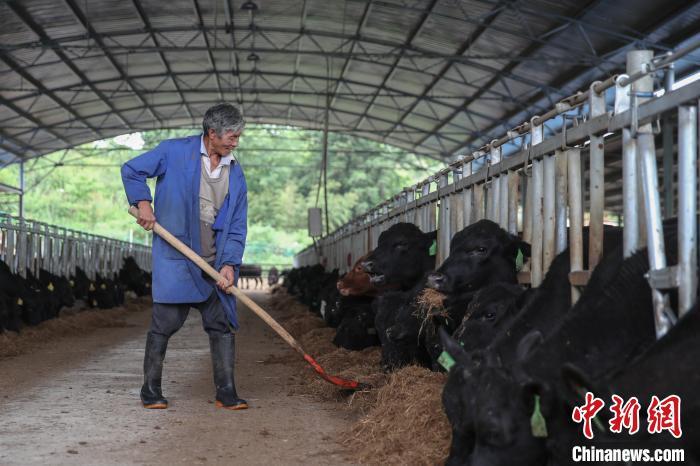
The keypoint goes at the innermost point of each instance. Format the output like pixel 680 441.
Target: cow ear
pixel 430 237
pixel 517 246
pixel 528 344
pixel 534 391
pixel 451 346
pixel 577 383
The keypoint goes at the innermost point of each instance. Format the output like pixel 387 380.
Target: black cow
pixel 489 311
pixel 401 260
pixel 133 278
pixel 402 257
pixel 249 272
pixel 607 328
pixel 356 329
pixel 542 309
pixel 482 254
pixel 668 367
pixel 273 276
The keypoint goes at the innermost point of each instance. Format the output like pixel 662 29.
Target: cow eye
pixel 401 246
pixel 478 250
pixel 490 316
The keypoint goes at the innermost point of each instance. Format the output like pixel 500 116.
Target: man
pixel 201 198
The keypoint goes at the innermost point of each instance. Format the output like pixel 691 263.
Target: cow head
pixel 356 282
pixel 458 398
pixel 481 253
pixel 401 257
pixel 504 402
pixel 490 310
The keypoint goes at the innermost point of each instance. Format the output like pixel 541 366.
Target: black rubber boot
pixel 151 395
pixel 222 356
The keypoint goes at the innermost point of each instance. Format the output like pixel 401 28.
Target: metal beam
pixel 38 125
pixel 27 19
pixel 562 80
pixel 397 92
pixel 358 35
pixel 392 69
pixel 6 188
pixel 147 24
pixel 198 14
pixel 528 51
pixel 302 26
pixel 464 48
pixel 92 34
pixel 313 107
pixel 307 76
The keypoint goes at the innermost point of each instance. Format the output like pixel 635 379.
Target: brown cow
pixel 357 283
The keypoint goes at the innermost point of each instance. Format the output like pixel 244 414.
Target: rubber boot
pixel 222 356
pixel 151 395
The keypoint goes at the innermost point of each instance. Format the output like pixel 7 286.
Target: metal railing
pixel 542 189
pixel 28 245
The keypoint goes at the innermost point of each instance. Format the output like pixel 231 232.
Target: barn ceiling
pixel 435 77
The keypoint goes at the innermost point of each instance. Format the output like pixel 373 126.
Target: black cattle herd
pixel 34 299
pixel 519 359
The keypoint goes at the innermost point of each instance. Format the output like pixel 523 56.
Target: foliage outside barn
pixel 81 188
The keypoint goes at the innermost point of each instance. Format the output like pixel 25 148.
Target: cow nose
pixel 436 280
pixel 368 266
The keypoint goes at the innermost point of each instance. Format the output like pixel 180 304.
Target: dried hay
pixel 318 341
pixel 407 425
pixel 402 420
pixel 68 323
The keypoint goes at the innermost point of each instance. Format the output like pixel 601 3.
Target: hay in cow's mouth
pixel 429 304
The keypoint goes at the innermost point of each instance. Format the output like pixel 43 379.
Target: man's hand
pixel 227 277
pixel 146 218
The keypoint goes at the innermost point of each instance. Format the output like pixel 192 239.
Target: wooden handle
pixel 201 263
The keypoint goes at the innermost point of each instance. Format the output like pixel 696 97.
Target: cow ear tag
pixel 446 361
pixel 50 287
pixel 433 248
pixel 538 424
pixel 519 260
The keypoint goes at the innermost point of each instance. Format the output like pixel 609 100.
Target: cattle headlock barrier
pixel 593 154
pixel 28 246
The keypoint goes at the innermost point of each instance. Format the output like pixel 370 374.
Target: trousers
pixel 169 318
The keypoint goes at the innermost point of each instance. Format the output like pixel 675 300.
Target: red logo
pixel 665 415
pixel 662 415
pixel 625 415
pixel 587 412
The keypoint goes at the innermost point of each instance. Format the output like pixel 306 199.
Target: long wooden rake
pixel 259 311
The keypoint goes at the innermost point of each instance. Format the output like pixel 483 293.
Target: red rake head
pixel 344 383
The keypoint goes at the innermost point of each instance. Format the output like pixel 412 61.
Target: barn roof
pixel 436 77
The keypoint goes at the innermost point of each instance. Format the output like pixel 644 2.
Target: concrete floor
pixel 77 402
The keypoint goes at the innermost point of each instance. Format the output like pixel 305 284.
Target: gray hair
pixel 222 118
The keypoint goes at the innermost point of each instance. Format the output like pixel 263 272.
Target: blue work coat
pixel 176 163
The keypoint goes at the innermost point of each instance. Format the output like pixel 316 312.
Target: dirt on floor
pixel 401 416
pixel 73 399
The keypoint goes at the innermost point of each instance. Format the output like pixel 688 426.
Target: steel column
pixel 573 156
pixel 687 206
pixel 596 183
pixel 537 271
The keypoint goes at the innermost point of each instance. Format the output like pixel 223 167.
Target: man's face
pixel 225 144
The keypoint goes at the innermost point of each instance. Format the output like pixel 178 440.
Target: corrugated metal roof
pixel 436 77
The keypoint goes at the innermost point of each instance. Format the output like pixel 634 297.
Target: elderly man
pixel 201 198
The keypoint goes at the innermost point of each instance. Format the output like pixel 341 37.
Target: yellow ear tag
pixel 50 287
pixel 103 286
pixel 94 303
pixel 92 286
pixel 71 283
pixel 20 302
